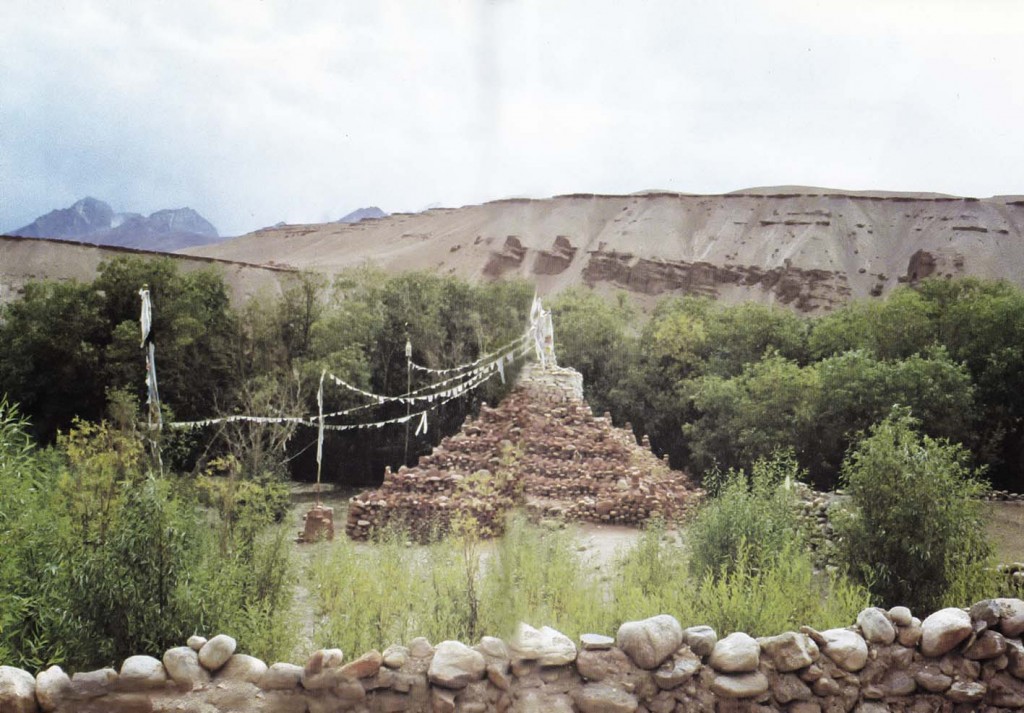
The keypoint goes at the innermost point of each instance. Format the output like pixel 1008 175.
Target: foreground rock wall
pixel 955 660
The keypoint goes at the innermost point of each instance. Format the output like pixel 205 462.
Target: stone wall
pixel 956 660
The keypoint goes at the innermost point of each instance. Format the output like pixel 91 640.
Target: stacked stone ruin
pixel 541 448
pixel 954 661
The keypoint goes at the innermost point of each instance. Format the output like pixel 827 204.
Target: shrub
pixel 912 531
pixel 756 514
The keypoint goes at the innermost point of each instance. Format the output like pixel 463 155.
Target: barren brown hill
pixel 26 259
pixel 808 248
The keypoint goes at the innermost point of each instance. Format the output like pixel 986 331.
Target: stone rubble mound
pixel 955 660
pixel 541 448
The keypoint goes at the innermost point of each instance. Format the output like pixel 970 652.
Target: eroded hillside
pixel 804 247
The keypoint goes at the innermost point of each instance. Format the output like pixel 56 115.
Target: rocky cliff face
pixel 810 249
pixel 93 221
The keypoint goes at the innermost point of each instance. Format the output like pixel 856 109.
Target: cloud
pixel 254 112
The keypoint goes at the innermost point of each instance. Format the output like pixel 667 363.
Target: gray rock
pixel 140 673
pixel 988 645
pixel 182 664
pixel 90 684
pixel 987 610
pixel 788 687
pixel 603 664
pixel 736 653
pixel 966 691
pixel 846 648
pixel 395 656
pixel 196 642
pixel 596 642
pixel 789 651
pixel 216 652
pixel 281 677
pixel 943 630
pixel 931 679
pixel 875 626
pixel 650 641
pixel 420 648
pixel 700 639
pixel 1011 617
pixel 455 665
pixel 910 635
pixel 900 616
pixel 242 667
pixel 17 691
pixel 603 698
pixel 52 685
pixel 679 669
pixel 739 685
pixel 545 646
pixel 1015 658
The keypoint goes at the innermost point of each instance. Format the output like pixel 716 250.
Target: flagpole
pixel 408 388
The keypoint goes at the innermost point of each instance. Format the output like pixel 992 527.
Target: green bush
pixel 912 530
pixel 756 514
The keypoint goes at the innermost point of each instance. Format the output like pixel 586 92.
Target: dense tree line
pixel 719 386
pixel 64 347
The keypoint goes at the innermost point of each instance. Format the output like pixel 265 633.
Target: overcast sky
pixel 255 112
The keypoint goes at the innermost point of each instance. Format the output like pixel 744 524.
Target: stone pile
pixel 543 448
pixel 1005 496
pixel 955 661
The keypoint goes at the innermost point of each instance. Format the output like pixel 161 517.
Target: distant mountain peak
pixel 371 212
pixel 92 220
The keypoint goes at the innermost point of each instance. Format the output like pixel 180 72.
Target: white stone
pixel 142 672
pixel 546 646
pixel 736 653
pixel 242 667
pixel 875 626
pixel 596 642
pixel 900 616
pixel 182 664
pixel 17 691
pixel 196 642
pixel 739 685
pixel 789 651
pixel 649 642
pixel 216 652
pixel 455 665
pixel 943 630
pixel 846 648
pixel 51 686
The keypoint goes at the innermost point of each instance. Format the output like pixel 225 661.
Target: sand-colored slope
pixel 805 247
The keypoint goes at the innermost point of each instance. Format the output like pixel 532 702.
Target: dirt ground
pixel 1006 528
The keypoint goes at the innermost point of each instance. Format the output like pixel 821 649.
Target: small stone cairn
pixel 954 661
pixel 541 448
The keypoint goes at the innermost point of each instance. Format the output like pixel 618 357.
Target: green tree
pixel 912 530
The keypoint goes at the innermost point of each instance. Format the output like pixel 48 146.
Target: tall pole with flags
pixel 408 388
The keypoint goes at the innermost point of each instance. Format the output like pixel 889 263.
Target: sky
pixel 258 112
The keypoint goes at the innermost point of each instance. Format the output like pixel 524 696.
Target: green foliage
pixel 104 559
pixel 912 530
pixel 756 515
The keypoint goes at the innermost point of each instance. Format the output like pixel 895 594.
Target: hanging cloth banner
pixel 463 367
pixel 320 421
pixel 146 318
pixel 422 428
pixel 154 417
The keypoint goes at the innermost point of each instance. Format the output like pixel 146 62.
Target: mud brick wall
pixel 955 661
